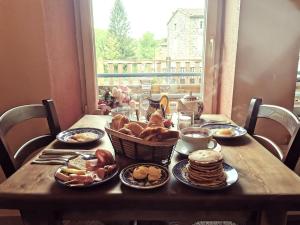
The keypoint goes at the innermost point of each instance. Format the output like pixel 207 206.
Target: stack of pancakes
pixel 205 168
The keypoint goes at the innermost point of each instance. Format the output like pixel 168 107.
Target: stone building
pixel 185 34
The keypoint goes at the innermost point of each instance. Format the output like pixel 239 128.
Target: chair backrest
pixel 282 116
pixel 19 114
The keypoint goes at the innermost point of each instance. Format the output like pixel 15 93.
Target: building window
pixel 201 24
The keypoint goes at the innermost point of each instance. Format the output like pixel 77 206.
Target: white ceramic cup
pixel 196 138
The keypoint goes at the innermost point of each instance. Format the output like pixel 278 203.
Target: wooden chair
pixel 282 116
pixel 16 115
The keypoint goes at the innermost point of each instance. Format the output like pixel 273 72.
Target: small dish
pixel 183 149
pixel 88 135
pixel 127 177
pixel 180 173
pixel 237 131
pixel 95 183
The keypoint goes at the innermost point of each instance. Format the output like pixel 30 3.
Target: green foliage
pixel 147 46
pixel 115 43
pixel 119 28
pixel 106 45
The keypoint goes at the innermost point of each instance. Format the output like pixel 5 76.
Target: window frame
pixel 212 55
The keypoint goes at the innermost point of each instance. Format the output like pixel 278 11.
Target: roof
pixel 188 12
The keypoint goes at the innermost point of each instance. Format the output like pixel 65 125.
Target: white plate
pixel 237 130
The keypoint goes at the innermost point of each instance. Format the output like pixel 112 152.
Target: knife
pixel 64 151
pixel 49 162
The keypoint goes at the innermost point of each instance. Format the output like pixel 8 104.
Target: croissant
pixel 156 120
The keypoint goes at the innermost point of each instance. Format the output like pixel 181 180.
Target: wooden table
pixel 266 189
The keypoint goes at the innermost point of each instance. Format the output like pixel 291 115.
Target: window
pixel 160 53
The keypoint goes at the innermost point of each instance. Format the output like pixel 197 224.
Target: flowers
pixel 116 97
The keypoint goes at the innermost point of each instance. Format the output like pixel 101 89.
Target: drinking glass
pixel 185 119
pixel 144 105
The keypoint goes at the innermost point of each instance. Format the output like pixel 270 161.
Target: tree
pixel 106 45
pixel 147 46
pixel 119 28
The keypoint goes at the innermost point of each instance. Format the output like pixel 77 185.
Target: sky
pixel 143 15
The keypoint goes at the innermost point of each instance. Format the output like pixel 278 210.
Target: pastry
pixel 154 173
pixel 158 134
pixel 156 120
pixel 118 122
pixel 140 172
pixel 125 131
pixel 151 132
pixel 135 128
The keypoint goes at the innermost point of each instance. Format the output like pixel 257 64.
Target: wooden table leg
pixel 273 217
pixel 32 217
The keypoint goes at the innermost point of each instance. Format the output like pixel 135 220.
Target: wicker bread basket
pixel 141 150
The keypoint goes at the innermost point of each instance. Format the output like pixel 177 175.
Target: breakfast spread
pixel 205 168
pixel 80 172
pixel 154 130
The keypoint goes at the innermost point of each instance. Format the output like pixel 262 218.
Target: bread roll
pixel 158 134
pixel 118 122
pixel 125 131
pixel 135 128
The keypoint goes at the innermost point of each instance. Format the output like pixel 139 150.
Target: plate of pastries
pixel 226 131
pixel 144 176
pixel 80 135
pixel 206 170
pixel 153 131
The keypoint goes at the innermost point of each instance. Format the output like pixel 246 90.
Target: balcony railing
pixel 175 77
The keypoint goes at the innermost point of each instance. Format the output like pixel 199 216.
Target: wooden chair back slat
pixel 19 114
pixel 282 116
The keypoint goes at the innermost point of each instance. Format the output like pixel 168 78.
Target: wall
pixel 266 58
pixel 38 60
pixel 24 68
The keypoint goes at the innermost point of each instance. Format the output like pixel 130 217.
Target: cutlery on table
pixel 86 154
pixel 49 162
pixel 46 156
pixel 51 159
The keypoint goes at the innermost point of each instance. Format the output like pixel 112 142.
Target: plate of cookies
pixel 205 170
pixel 80 135
pixel 144 176
pixel 226 131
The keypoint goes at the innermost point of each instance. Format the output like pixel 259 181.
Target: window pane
pixel 162 42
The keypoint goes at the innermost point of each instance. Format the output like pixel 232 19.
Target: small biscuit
pixel 140 172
